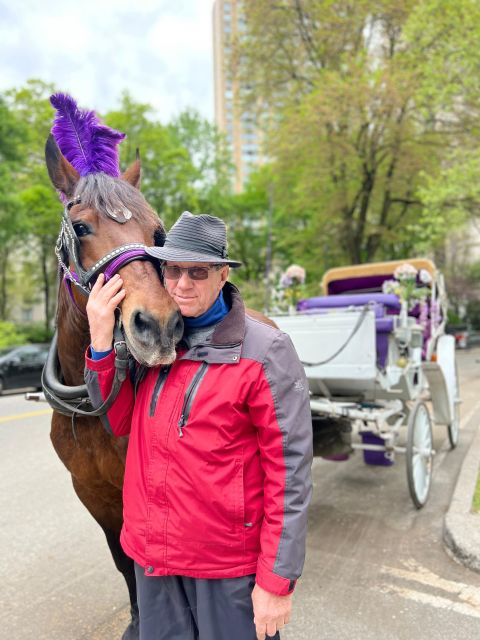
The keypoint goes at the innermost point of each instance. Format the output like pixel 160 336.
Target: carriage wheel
pixel 419 453
pixel 454 426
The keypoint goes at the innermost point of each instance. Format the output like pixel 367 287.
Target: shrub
pixel 36 332
pixel 10 335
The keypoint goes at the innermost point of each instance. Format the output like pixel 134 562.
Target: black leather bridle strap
pixel 72 401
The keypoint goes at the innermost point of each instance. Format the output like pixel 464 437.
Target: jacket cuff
pixel 104 364
pixel 272 582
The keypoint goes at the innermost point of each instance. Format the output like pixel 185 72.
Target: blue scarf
pixel 217 312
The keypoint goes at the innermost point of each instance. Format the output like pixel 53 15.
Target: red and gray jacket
pixel 217 478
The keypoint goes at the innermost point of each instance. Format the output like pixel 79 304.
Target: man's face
pixel 194 297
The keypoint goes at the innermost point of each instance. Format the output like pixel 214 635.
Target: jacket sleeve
pixel 99 376
pixel 280 410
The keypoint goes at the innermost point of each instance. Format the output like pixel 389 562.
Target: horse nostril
pixel 143 322
pixel 175 326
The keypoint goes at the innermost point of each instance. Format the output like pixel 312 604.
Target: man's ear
pixel 224 274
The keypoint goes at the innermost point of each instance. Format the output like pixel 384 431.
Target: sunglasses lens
pixel 198 273
pixel 172 273
pixel 194 273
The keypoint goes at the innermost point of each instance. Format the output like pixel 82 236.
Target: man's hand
pixel 103 300
pixel 270 612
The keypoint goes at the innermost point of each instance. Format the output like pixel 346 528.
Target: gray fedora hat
pixel 195 238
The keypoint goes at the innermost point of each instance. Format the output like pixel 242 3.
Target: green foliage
pixel 374 144
pixel 253 293
pixel 185 165
pixel 37 198
pixel 476 497
pixel 10 335
pixel 36 332
pixel 473 314
pixel 453 317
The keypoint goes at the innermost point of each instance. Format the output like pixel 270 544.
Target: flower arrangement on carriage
pixel 374 349
pixel 291 286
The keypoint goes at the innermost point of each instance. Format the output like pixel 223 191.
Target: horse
pixel 105 226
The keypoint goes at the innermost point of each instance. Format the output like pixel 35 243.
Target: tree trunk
pixel 3 284
pixel 46 288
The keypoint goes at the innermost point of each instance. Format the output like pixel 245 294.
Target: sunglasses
pixel 172 272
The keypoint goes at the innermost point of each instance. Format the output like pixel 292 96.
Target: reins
pixel 72 401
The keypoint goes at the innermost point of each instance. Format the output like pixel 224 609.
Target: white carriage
pixel 376 362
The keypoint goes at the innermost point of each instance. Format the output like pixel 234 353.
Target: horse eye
pixel 81 229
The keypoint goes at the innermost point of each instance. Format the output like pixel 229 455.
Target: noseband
pixel 67 250
pixel 74 401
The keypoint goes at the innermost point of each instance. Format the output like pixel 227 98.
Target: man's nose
pixel 184 280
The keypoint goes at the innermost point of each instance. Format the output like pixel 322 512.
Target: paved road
pixel 376 568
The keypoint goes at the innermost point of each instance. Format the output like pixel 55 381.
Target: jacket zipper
pixel 190 396
pixel 162 377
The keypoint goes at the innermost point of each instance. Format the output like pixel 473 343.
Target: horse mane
pixel 107 194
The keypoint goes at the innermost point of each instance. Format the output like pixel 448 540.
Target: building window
pixel 27 315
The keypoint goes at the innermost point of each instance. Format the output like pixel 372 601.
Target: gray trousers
pixel 180 608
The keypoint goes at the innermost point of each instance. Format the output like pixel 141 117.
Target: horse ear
pixel 134 172
pixel 64 177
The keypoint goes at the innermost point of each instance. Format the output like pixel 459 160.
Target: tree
pixel 168 173
pixel 40 205
pixel 367 104
pixel 12 133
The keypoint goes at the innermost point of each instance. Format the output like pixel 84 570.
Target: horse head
pixel 106 225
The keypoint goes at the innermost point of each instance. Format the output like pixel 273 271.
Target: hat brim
pixel 182 255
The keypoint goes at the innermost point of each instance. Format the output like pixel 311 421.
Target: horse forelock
pixel 105 194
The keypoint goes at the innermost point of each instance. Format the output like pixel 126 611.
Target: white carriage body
pixel 371 362
pixel 318 337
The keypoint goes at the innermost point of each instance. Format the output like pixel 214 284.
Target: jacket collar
pixel 227 338
pixel 231 330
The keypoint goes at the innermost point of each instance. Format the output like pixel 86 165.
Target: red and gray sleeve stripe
pixel 281 413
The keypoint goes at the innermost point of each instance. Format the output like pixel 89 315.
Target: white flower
pixel 296 273
pixel 390 286
pixel 424 276
pixel 405 271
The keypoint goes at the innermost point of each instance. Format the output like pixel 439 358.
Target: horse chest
pixel 88 452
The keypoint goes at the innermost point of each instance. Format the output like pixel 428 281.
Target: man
pixel 217 478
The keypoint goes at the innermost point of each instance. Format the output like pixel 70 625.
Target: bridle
pixel 67 250
pixel 73 401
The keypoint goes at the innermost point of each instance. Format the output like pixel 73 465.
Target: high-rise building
pixel 238 125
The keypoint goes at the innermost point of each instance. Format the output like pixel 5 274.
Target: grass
pixel 476 497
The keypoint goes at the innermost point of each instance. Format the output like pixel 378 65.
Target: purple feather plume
pixel 89 145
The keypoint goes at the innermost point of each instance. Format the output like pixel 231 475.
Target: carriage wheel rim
pixel 454 426
pixel 419 467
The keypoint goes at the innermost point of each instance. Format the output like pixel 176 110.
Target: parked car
pixel 21 367
pixel 461 333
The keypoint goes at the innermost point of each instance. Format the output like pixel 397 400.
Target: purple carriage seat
pixel 387 300
pixel 383 304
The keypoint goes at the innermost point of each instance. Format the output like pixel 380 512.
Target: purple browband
pixel 120 260
pixel 112 268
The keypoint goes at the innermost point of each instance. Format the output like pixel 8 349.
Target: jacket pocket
pixel 208 508
pixel 239 497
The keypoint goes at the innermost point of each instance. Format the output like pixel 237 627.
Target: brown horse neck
pixel 73 338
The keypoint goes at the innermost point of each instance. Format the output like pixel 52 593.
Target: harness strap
pixel 75 401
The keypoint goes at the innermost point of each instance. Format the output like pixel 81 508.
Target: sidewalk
pixel 461 532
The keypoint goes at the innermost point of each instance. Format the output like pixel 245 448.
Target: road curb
pixel 461 533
